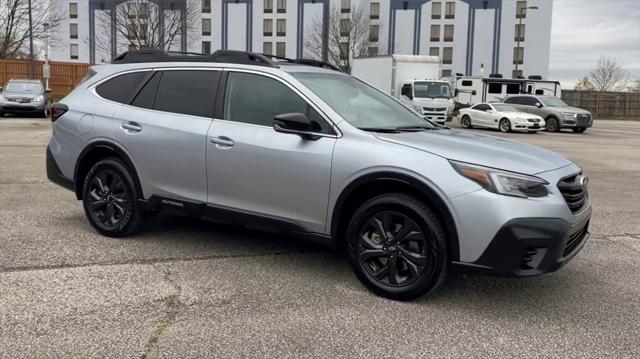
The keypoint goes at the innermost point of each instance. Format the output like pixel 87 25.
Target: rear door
pixel 253 169
pixel 164 130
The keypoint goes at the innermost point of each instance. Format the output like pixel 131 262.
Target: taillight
pixel 57 110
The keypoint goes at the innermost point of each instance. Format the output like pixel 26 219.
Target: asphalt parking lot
pixel 187 288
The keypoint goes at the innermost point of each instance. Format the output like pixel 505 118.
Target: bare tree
pixel 138 24
pixel 608 75
pixel 583 84
pixel 350 35
pixel 14 25
pixel 634 86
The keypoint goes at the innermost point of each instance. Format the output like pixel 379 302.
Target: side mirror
pixel 538 105
pixel 473 92
pixel 297 124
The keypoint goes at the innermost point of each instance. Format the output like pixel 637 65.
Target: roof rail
pixel 228 56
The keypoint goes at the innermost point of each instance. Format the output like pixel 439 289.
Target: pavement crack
pixel 173 306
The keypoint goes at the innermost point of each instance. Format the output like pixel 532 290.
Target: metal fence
pixel 604 104
pixel 63 77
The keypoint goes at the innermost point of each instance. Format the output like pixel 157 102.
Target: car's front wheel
pixel 466 121
pixel 109 198
pixel 505 125
pixel 552 124
pixel 397 246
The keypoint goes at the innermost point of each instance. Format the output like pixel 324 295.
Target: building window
pixel 373 51
pixel 267 48
pixel 73 31
pixel 137 31
pixel 518 55
pixel 446 73
pixel 519 36
pixel 374 12
pixel 517 74
pixel 374 33
pixel 447 55
pixel 435 33
pixel 282 6
pixel 345 6
pixel 137 10
pixel 344 50
pixel 73 10
pixel 73 51
pixel 281 27
pixel 448 33
pixel 344 27
pixel 268 6
pixel 267 27
pixel 206 6
pixel 521 9
pixel 281 49
pixel 206 47
pixel 450 10
pixel 206 27
pixel 436 10
pixel 434 51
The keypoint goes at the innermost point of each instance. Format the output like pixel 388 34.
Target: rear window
pixel 122 88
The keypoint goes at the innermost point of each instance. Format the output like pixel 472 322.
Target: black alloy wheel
pixel 397 246
pixel 552 124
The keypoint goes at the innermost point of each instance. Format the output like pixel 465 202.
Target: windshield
pixel 360 104
pixel 553 102
pixel 23 87
pixel 431 89
pixel 504 108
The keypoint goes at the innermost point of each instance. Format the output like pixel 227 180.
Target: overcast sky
pixel 584 30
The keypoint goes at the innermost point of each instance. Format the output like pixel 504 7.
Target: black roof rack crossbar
pixel 155 55
pixel 301 61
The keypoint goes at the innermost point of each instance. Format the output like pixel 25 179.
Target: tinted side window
pixel 189 92
pixel 121 88
pixel 530 101
pixel 147 94
pixel 481 107
pixel 495 88
pixel 467 83
pixel 513 88
pixel 258 99
pixel 514 100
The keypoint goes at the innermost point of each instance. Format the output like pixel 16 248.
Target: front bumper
pixel 531 246
pixel 584 121
pixel 17 108
pixel 528 126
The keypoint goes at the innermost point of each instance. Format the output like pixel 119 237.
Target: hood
pixel 13 95
pixel 570 109
pixel 484 150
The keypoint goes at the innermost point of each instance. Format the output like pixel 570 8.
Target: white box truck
pixel 413 79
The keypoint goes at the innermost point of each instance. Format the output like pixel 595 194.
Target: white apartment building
pixel 470 36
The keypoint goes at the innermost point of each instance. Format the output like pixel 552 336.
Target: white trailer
pixel 470 90
pixel 413 79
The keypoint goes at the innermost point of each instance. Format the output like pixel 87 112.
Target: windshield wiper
pixel 379 129
pixel 415 128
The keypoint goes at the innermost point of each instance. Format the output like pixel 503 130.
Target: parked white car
pixel 500 116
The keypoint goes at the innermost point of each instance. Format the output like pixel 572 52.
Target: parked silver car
pixel 294 145
pixel 556 113
pixel 24 97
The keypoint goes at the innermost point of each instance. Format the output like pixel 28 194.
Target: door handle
pixel 131 127
pixel 222 141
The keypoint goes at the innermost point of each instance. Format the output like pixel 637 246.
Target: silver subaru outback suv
pixel 296 146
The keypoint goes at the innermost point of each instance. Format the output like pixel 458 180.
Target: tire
pixel 552 124
pixel 110 191
pixel 579 129
pixel 505 125
pixel 465 122
pixel 401 266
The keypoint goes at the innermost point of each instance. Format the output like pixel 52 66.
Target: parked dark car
pixel 24 97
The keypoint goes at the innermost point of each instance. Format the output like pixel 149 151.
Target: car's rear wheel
pixel 505 125
pixel 397 247
pixel 579 129
pixel 552 124
pixel 466 121
pixel 109 199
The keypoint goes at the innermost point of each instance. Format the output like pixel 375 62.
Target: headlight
pixel 503 182
pixel 39 98
pixel 569 114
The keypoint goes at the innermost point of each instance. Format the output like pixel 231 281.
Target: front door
pixel 252 168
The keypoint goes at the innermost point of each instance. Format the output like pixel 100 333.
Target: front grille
pixel 583 119
pixel 434 109
pixel 19 100
pixel 584 116
pixel 533 120
pixel 574 191
pixel 575 239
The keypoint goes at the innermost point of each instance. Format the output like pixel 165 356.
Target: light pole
pixel 32 65
pixel 523 10
pixel 46 54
